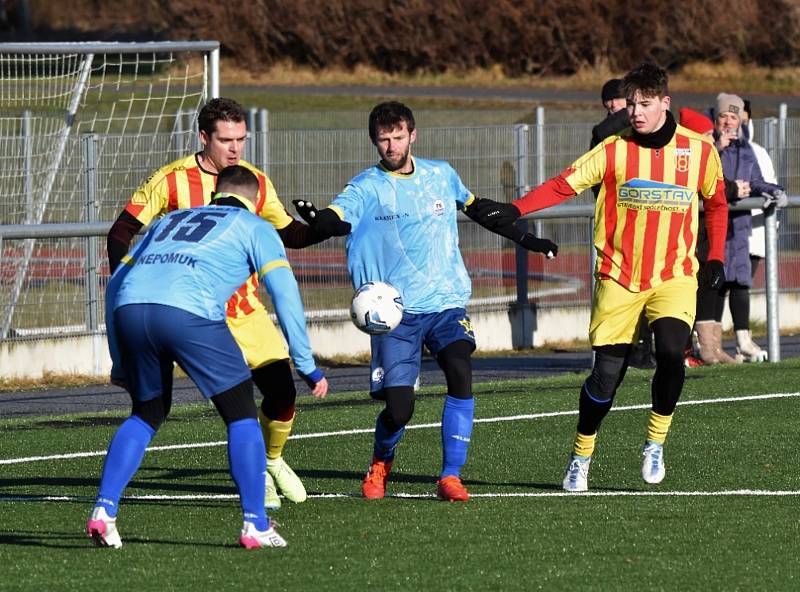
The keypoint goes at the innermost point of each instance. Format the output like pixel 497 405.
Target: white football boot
pixel 252 538
pixel 653 469
pixel 576 477
pixel 102 529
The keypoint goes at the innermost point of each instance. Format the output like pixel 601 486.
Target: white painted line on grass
pixel 27 459
pixel 521 494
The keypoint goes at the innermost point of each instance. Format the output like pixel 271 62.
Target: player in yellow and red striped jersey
pixel 187 183
pixel 652 176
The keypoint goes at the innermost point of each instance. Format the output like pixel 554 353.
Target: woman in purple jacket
pixel 742 179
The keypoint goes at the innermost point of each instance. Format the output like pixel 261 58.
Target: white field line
pixel 547 494
pixel 28 459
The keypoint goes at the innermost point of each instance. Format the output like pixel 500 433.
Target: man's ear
pixel 204 139
pixel 413 136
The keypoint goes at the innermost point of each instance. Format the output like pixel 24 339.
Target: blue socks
pixel 125 453
pixel 456 433
pixel 385 441
pixel 247 457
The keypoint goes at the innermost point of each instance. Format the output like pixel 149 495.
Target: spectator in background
pixel 697 122
pixel 616 115
pixel 616 120
pixel 743 178
pixel 745 345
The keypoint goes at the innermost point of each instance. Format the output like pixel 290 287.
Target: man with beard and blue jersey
pixel 400 220
pixel 169 300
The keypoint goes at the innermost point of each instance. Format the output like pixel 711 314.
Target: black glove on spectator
pixel 492 214
pixel 713 274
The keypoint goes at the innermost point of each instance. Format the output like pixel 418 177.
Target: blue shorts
pixel 396 356
pixel 153 336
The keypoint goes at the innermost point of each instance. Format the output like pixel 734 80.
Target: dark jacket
pixel 611 125
pixel 739 162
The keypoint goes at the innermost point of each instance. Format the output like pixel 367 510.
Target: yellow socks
pixel 657 427
pixel 584 445
pixel 276 433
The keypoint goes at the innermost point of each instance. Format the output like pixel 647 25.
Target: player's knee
pixel 609 364
pixel 399 405
pixel 152 412
pixel 276 384
pixel 454 361
pixel 236 403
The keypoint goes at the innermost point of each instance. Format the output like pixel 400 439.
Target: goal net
pixel 81 126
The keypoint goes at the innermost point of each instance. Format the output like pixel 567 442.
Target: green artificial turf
pixel 519 531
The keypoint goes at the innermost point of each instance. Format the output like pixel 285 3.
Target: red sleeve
pixel 716 214
pixel 547 194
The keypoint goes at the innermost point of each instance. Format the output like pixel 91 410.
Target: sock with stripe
pixel 457 417
pixel 658 427
pixel 248 465
pixel 124 456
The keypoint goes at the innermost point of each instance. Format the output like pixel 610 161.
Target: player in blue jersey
pixel 169 306
pixel 400 218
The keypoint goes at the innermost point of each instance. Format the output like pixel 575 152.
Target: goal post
pixel 128 96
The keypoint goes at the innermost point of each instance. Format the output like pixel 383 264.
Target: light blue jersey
pixel 195 259
pixel 404 232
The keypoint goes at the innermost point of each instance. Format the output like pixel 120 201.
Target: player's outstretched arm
pixel 492 214
pixel 325 222
pixel 500 218
pixel 285 294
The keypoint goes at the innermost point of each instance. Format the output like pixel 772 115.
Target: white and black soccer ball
pixel 377 308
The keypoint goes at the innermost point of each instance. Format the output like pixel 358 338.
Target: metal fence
pixel 62 283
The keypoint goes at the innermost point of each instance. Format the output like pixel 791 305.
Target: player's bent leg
pixel 276 416
pixel 457 418
pixel 246 456
pixel 389 429
pixel 670 335
pixel 124 456
pixel 594 403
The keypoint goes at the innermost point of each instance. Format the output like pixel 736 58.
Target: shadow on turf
pixel 70 540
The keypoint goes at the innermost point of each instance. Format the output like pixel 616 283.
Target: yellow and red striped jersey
pixel 185 184
pixel 646 214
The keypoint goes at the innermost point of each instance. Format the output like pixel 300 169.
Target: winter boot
pixel 705 338
pixel 749 349
pixel 721 355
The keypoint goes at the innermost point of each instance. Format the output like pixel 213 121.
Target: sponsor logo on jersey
pixel 378 374
pixel 438 207
pixel 642 194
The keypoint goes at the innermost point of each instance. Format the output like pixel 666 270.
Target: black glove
pixel 713 275
pixel 528 240
pixel 325 222
pixel 539 245
pixel 492 214
pixel 307 211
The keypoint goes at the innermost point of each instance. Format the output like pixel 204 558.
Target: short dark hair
pixel 219 110
pixel 748 108
pixel 389 115
pixel 611 90
pixel 649 79
pixel 237 179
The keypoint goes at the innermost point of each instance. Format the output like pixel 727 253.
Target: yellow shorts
pixel 616 311
pixel 259 339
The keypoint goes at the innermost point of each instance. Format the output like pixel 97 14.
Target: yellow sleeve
pixel 269 206
pixel 151 199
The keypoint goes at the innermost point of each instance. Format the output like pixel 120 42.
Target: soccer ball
pixel 377 308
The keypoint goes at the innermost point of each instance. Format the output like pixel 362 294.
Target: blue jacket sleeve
pixel 282 287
